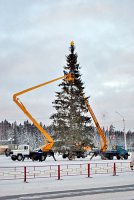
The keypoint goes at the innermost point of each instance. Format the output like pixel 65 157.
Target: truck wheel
pixel 42 158
pixel 83 156
pixel 71 157
pixel 118 157
pixel 125 157
pixel 34 157
pixel 64 156
pixel 19 157
pixel 13 158
pixel 110 157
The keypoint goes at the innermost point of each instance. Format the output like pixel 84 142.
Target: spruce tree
pixel 71 122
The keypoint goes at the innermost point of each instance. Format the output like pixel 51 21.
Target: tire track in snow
pixel 70 193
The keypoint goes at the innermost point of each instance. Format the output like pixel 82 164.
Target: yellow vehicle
pixel 49 142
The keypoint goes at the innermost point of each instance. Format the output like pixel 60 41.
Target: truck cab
pixel 21 153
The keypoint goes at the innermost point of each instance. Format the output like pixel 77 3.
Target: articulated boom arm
pixel 49 142
pixel 104 147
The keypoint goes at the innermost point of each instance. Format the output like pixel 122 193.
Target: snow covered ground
pixel 6 161
pixel 101 186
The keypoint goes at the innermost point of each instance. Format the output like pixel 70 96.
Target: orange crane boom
pixel 104 146
pixel 49 142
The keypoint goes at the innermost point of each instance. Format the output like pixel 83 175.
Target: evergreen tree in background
pixel 71 122
pixel 27 133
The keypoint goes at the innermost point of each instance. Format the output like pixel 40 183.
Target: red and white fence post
pixel 58 172
pixel 88 169
pixel 114 170
pixel 25 174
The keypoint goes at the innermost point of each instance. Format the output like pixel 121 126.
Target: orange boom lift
pixel 49 142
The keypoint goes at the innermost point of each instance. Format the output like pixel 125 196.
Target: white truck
pixel 21 153
pixel 24 151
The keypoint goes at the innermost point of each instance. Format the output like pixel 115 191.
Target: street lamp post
pixel 123 120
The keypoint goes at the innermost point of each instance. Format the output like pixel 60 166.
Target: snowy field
pixel 98 186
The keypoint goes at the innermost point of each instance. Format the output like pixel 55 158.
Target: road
pixel 120 192
pixel 97 187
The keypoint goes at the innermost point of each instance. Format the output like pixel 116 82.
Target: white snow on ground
pixel 78 183
pixel 6 161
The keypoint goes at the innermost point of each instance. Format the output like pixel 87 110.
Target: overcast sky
pixel 35 38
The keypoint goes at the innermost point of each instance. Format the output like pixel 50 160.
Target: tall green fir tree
pixel 71 121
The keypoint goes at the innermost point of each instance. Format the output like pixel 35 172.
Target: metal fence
pixel 63 170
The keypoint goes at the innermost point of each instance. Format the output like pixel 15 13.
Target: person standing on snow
pixel 132 160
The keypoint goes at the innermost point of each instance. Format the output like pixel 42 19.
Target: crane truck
pixel 41 153
pixel 117 151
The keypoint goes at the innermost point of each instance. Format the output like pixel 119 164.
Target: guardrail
pixel 59 171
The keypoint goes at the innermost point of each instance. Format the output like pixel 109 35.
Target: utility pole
pixel 123 120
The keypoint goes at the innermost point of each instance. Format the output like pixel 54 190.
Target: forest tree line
pixel 27 133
